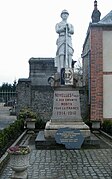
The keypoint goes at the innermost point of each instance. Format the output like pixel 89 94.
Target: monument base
pixel 19 175
pixel 49 143
pixel 52 127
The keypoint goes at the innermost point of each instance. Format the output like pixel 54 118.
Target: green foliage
pixel 107 126
pixel 40 124
pixel 8 87
pixel 8 93
pixel 27 113
pixel 10 134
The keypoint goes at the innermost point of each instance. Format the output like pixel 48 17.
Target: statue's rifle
pixel 66 51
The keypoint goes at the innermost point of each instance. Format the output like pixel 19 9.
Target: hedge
pixel 107 126
pixel 10 134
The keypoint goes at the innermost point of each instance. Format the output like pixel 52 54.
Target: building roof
pixel 107 20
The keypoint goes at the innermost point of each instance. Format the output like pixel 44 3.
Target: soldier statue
pixel 64 43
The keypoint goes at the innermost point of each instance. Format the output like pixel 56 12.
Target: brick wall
pixel 96 110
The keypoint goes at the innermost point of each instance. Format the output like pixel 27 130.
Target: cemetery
pixel 64 118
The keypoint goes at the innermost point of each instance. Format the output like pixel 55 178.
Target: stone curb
pixel 5 157
pixel 107 135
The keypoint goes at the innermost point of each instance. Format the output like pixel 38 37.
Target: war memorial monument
pixel 66 114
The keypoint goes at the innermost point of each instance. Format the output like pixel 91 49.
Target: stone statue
pixel 64 43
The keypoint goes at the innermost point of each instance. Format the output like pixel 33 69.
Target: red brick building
pixel 97 67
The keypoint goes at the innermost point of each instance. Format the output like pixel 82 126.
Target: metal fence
pixel 7 96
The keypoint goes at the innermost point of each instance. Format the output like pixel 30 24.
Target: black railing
pixel 7 96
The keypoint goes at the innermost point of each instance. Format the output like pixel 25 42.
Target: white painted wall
pixel 107 79
pixel 107 51
pixel 107 96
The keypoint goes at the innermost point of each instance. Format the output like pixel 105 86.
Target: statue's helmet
pixel 64 12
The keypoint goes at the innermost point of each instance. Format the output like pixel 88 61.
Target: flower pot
pixel 30 123
pixel 19 162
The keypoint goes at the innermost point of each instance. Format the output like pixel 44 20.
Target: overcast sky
pixel 27 29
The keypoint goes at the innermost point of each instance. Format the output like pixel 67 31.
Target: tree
pixel 7 92
pixel 8 87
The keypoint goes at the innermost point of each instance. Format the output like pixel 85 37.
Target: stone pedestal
pixel 19 175
pixel 30 124
pixel 66 112
pixel 52 127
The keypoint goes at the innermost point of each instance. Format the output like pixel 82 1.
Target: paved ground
pixel 67 164
pixel 63 164
pixel 5 118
